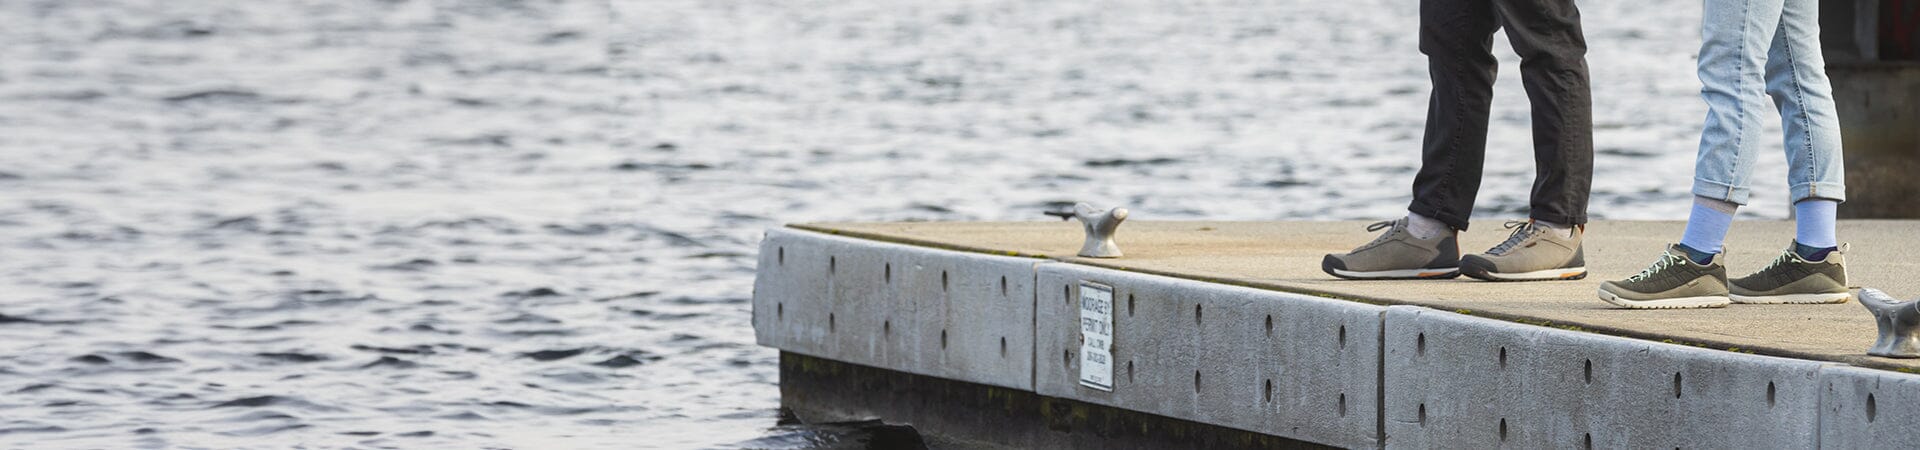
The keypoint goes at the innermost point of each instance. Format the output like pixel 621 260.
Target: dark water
pixel 531 224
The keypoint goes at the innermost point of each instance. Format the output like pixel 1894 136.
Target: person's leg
pixel 1553 67
pixel 1736 36
pixel 1457 37
pixel 1797 80
pixel 1811 271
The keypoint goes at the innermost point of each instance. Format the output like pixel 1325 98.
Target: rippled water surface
pixel 531 223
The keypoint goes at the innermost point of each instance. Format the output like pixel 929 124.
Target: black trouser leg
pixel 1457 37
pixel 1553 66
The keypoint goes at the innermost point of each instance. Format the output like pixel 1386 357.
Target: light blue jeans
pixel 1752 49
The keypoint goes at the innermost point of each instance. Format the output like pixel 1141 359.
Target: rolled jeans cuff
pixel 1821 190
pixel 1722 191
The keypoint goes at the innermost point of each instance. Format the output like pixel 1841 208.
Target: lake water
pixel 532 223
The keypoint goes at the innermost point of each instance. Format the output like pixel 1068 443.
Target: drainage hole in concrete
pixel 783 256
pixel 887 276
pixel 1503 430
pixel 780 311
pixel 1066 293
pixel 1872 409
pixel 1129 371
pixel 943 281
pixel 832 264
pixel 1129 305
pixel 1503 358
pixel 1676 385
pixel 1343 336
pixel 1769 394
pixel 943 339
pixel 830 322
pixel 886 327
pixel 1196 314
pixel 1423 415
pixel 1269 326
pixel 1589 371
pixel 1003 286
pixel 1586 441
pixel 1269 391
pixel 1196 381
pixel 1003 346
pixel 1343 405
pixel 1066 357
pixel 1420 345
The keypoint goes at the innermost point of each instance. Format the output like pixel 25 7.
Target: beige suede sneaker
pixel 1531 253
pixel 1397 255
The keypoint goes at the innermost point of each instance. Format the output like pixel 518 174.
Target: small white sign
pixel 1096 336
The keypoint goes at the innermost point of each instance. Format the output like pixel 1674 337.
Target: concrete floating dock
pixel 1226 334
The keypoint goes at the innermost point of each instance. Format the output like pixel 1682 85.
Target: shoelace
pixel 1782 259
pixel 1789 255
pixel 1666 260
pixel 1377 226
pixel 1522 229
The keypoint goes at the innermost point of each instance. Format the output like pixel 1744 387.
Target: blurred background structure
pixel 1873 57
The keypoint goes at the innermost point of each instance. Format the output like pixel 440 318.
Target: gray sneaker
pixel 1397 255
pixel 1672 282
pixel 1531 253
pixel 1792 279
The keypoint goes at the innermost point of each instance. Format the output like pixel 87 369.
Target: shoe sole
pixel 1566 273
pixel 1711 301
pixel 1411 274
pixel 1793 299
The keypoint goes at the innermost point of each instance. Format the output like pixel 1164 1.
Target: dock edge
pixel 1294 366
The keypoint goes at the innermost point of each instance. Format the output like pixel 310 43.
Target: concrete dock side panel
pixel 790 304
pixel 1865 408
pixel 1457 381
pixel 1284 364
pixel 955 315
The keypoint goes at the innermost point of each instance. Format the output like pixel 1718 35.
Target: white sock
pixel 1707 225
pixel 1813 222
pixel 1423 227
pixel 1564 230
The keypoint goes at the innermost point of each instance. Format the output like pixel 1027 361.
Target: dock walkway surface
pixel 1285 256
pixel 1228 335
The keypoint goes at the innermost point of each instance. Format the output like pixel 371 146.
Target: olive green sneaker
pixel 1792 279
pixel 1531 253
pixel 1397 255
pixel 1674 281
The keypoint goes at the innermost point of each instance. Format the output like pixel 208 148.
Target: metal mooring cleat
pixel 1899 324
pixel 1100 226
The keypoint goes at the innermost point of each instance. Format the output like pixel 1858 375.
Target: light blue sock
pixel 1707 226
pixel 1813 222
